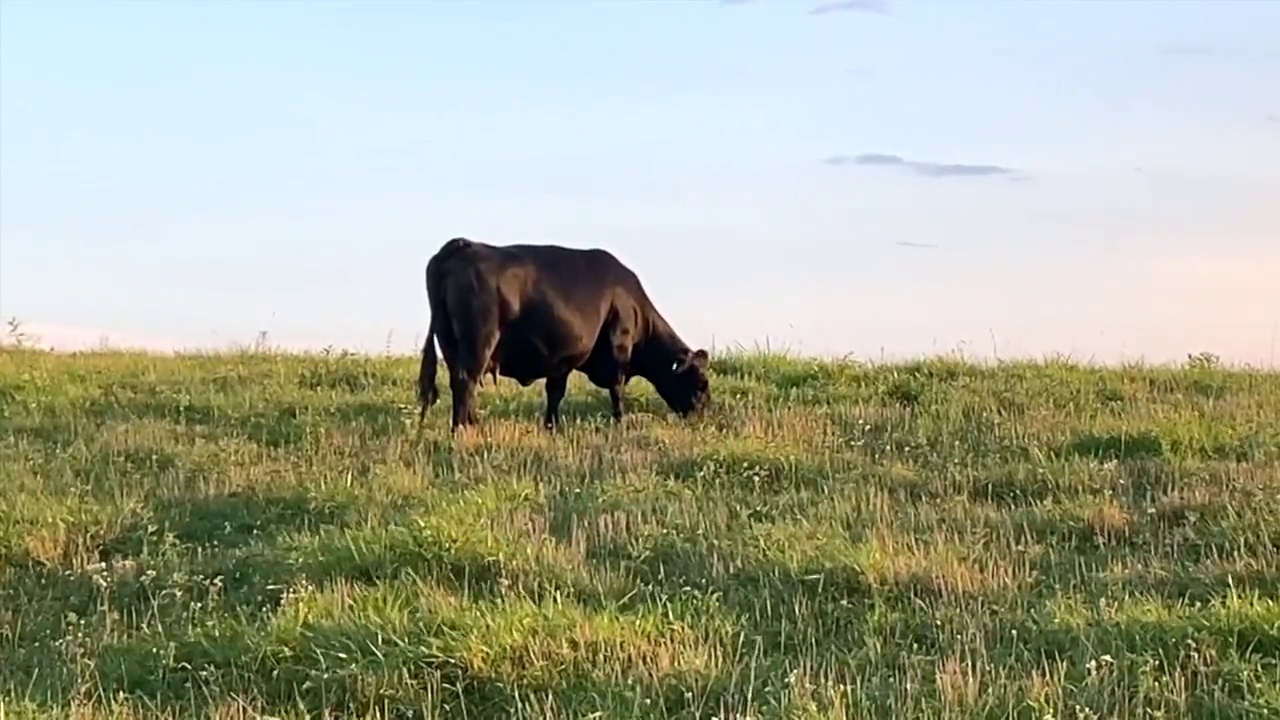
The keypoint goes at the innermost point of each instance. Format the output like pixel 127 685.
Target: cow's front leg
pixel 622 336
pixel 617 399
pixel 556 386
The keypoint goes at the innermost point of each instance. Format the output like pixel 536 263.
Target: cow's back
pixel 576 279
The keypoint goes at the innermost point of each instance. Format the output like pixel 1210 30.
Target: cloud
pixel 925 169
pixel 1273 118
pixel 879 7
pixel 1188 50
pixel 865 159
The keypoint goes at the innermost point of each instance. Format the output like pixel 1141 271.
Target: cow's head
pixel 684 385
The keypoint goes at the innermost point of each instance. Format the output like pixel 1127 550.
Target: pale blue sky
pixel 194 172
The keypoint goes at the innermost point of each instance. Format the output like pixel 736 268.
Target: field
pixel 263 535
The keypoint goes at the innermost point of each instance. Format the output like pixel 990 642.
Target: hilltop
pixel 258 534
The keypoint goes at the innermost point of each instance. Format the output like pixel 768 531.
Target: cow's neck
pixel 660 348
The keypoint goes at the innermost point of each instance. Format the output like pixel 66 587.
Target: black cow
pixel 529 312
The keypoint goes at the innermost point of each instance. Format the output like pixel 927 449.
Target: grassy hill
pixel 261 535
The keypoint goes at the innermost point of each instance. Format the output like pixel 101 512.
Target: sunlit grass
pixel 254 534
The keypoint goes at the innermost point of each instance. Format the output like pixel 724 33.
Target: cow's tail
pixel 428 393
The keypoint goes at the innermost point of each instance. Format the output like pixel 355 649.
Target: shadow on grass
pixel 55 434
pixel 351 374
pixel 790 610
pixel 236 558
pixel 226 521
pixel 374 420
pixel 1010 488
pixel 158 566
pixel 1206 443
pixel 1135 446
pixel 422 660
pixel 257 581
pixel 1215 658
pixel 752 470
pixel 1198 586
pixel 581 405
pixel 883 435
pixel 352 668
pixel 1194 556
pixel 278 425
pixel 347 668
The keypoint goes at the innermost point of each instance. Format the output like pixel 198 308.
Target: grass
pixel 262 535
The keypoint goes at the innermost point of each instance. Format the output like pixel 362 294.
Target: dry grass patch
pixel 944 569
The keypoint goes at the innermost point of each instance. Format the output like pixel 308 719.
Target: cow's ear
pixel 697 358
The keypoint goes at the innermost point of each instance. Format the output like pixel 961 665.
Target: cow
pixel 531 312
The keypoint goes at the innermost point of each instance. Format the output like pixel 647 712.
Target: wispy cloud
pixel 1273 118
pixel 1189 50
pixel 922 168
pixel 879 7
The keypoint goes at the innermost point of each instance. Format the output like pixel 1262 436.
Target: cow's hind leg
pixel 556 387
pixel 463 390
pixel 475 348
pixel 465 380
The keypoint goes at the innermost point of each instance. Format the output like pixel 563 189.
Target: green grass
pixel 252 535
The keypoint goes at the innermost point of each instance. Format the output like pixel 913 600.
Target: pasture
pixel 264 535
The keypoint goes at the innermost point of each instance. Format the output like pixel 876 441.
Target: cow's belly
pixel 528 358
pixel 521 367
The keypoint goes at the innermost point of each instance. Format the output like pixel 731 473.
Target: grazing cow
pixel 529 312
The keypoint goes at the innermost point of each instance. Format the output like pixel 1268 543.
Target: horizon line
pixel 957 355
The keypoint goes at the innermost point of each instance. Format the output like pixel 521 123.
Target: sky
pixel 879 179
